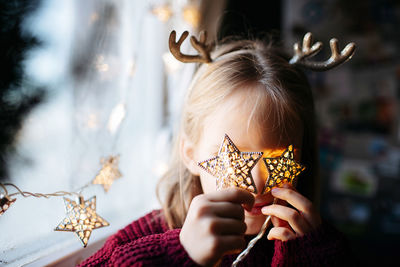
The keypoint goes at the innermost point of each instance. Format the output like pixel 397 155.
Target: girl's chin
pixel 254 212
pixel 254 223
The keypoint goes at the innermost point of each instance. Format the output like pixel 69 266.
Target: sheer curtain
pixel 103 63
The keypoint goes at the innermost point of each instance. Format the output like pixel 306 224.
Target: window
pixel 112 89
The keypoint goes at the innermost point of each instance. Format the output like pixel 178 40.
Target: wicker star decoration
pixel 5 203
pixel 282 169
pixel 232 167
pixel 81 218
pixel 108 173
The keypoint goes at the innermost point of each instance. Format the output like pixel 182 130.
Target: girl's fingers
pixel 234 195
pixel 281 233
pixel 293 198
pixel 295 220
pixel 228 210
pixel 223 226
pixel 278 222
pixel 275 220
pixel 300 203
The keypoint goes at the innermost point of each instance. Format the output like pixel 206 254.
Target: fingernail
pixel 275 190
pixel 264 209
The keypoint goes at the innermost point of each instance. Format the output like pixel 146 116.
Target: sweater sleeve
pixel 145 242
pixel 324 246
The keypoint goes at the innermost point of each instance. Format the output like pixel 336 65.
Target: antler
pixel 199 45
pixel 307 50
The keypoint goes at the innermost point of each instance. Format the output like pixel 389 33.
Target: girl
pixel 251 93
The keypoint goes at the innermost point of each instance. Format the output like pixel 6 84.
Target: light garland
pixel 162 12
pixel 100 64
pixel 108 173
pixel 191 14
pixel 5 200
pixel 81 218
pixel 117 116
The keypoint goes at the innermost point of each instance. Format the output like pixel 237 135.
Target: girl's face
pixel 232 118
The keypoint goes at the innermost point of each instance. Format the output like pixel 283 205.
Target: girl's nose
pixel 260 175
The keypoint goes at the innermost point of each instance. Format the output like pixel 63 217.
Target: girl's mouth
pixel 256 210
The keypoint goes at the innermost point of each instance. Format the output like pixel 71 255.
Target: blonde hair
pixel 282 100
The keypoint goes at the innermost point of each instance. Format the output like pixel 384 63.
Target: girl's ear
pixel 187 154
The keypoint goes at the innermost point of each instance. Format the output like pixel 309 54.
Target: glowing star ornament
pixel 162 12
pixel 191 14
pixel 108 173
pixel 232 167
pixel 5 203
pixel 81 218
pixel 282 169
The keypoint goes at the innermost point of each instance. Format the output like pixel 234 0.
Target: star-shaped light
pixel 81 218
pixel 282 169
pixel 232 167
pixel 5 203
pixel 162 12
pixel 191 14
pixel 108 173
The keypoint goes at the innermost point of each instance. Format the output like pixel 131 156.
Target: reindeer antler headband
pixel 301 53
pixel 309 50
pixel 199 45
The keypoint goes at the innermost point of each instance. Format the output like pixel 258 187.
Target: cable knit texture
pixel 149 242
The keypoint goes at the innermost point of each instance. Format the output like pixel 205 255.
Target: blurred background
pixel 84 80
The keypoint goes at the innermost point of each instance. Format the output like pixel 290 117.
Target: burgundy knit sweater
pixel 149 242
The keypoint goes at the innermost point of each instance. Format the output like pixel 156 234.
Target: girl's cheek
pixel 207 183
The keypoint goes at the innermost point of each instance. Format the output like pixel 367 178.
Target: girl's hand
pixel 215 225
pixel 288 222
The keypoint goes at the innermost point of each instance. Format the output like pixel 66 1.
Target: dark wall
pixel 251 18
pixel 358 111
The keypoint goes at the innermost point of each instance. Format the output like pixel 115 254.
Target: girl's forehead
pixel 242 115
pixel 245 133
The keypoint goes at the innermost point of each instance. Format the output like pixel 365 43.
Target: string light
pixel 160 169
pixel 191 15
pixel 132 68
pixel 93 121
pixel 100 64
pixel 5 203
pixel 94 17
pixel 162 12
pixel 81 218
pixel 116 117
pixel 108 173
pixel 5 200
